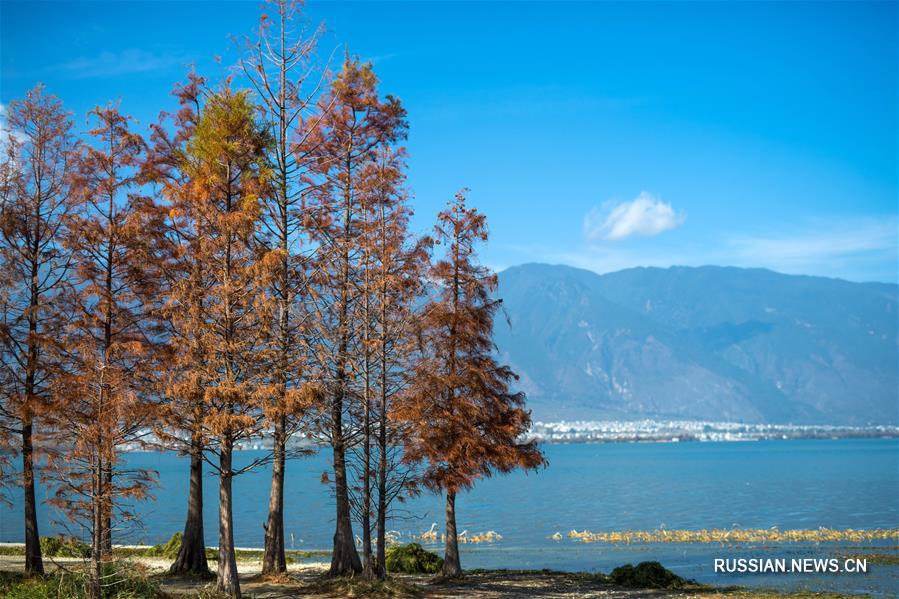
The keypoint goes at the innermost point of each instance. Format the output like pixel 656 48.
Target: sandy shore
pixel 307 580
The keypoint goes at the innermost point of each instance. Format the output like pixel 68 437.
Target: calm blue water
pixel 601 487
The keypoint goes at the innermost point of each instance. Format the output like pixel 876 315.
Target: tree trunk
pixel 274 561
pixel 93 588
pixel 368 562
pixel 451 566
pixel 381 559
pixel 33 562
pixel 344 557
pixel 106 538
pixel 191 557
pixel 227 581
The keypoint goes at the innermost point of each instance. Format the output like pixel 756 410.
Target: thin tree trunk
pixel 106 482
pixel 381 559
pixel 368 565
pixel 33 562
pixel 94 589
pixel 451 566
pixel 227 581
pixel 191 557
pixel 274 561
pixel 106 538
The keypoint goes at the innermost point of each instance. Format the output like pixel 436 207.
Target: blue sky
pixel 601 135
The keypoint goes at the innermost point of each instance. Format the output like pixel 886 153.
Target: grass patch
pixel 357 586
pixel 120 581
pixel 62 546
pixel 168 550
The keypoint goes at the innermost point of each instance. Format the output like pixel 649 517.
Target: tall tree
pixel 396 264
pixel 279 62
pixel 35 264
pixel 228 172
pixel 174 235
pixel 464 419
pixel 355 122
pixel 106 353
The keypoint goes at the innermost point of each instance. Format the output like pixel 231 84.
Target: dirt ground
pixel 308 580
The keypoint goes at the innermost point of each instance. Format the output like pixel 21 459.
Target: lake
pixel 847 483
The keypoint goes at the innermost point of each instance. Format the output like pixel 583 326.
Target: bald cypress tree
pixel 224 310
pixel 464 419
pixel 279 62
pixel 105 357
pixel 173 232
pixel 355 122
pixel 34 263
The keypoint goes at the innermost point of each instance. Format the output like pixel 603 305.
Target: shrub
pixel 168 550
pixel 412 559
pixel 62 546
pixel 646 575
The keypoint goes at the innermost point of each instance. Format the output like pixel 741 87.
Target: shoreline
pixel 625 432
pixel 310 579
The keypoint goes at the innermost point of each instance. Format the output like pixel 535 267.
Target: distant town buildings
pixel 607 431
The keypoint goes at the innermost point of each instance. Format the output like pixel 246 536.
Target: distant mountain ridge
pixel 710 343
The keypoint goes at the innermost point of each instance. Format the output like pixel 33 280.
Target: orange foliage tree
pixel 227 175
pixel 174 235
pixel 279 63
pixel 34 265
pixel 354 123
pixel 394 265
pixel 106 356
pixel 464 420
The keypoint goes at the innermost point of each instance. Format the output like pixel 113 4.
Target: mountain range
pixel 706 343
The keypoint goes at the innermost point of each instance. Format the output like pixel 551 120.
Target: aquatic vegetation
pixel 431 536
pixel 491 536
pixel 883 559
pixel 733 535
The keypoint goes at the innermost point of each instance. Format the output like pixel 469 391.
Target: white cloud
pixel 818 246
pixel 856 249
pixel 111 64
pixel 645 215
